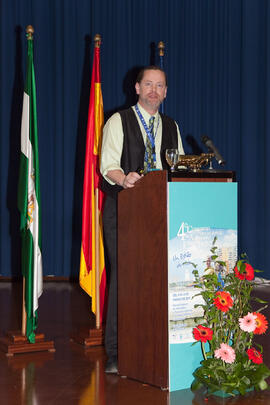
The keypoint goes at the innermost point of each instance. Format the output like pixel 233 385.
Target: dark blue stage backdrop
pixel 217 58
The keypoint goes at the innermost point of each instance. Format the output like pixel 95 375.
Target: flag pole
pixel 29 31
pixel 97 41
pixel 161 48
pixel 23 310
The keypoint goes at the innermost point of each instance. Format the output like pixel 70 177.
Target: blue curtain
pixel 217 57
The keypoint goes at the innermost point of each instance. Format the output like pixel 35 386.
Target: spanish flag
pixel 92 248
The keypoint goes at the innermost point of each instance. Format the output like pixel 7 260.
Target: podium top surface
pixel 158 179
pixel 202 175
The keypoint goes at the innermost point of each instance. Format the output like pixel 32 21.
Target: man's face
pixel 151 90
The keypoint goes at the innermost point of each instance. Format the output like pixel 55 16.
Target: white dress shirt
pixel 113 138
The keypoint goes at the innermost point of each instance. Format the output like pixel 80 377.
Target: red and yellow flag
pixel 91 188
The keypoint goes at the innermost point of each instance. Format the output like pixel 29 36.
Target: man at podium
pixel 134 143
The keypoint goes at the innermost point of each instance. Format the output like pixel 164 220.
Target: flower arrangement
pixel 232 362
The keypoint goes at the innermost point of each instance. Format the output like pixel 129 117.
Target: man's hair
pixel 151 67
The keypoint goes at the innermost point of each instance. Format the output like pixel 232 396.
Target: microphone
pixel 209 143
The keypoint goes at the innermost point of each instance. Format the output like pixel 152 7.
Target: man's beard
pixel 153 102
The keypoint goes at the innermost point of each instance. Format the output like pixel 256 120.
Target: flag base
pixel 89 337
pixel 14 342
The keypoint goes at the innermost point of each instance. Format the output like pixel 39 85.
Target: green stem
pixel 239 297
pixel 228 336
pixel 249 343
pixel 203 350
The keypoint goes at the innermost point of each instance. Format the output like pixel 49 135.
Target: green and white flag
pixel 29 200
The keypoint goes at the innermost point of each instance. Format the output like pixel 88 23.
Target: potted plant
pixel 232 363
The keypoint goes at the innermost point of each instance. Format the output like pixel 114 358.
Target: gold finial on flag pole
pixel 97 41
pixel 161 48
pixel 29 31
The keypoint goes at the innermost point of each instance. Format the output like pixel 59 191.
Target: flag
pixel 91 184
pixel 29 199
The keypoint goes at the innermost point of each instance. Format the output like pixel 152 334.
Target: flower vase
pixel 223 394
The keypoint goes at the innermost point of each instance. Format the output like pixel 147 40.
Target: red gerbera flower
pixel 246 274
pixel 254 355
pixel 261 322
pixel 202 333
pixel 223 301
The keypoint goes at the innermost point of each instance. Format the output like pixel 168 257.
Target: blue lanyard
pixel 148 133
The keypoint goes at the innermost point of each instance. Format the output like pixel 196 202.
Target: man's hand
pixel 126 181
pixel 130 179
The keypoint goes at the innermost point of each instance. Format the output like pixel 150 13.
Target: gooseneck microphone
pixel 209 143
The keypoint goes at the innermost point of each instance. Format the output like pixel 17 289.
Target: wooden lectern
pixel 143 342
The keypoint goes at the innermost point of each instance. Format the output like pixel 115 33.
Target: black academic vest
pixel 133 151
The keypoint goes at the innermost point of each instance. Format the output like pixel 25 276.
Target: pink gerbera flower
pixel 225 353
pixel 248 322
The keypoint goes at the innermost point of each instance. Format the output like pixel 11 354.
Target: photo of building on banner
pixel 189 245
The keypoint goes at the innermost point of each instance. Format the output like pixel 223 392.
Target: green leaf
pixel 259 346
pixel 259 300
pixel 193 264
pixel 199 305
pixel 194 343
pixel 242 389
pixel 196 384
pixel 242 266
pixel 230 384
pixel 258 373
pixel 263 385
pixel 245 380
pixel 196 295
pixel 221 263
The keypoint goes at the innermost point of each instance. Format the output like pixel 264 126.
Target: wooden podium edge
pixel 89 337
pixel 15 343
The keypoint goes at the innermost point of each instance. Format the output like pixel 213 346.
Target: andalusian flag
pixel 29 199
pixel 92 238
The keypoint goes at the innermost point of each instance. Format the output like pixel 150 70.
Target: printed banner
pixel 197 213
